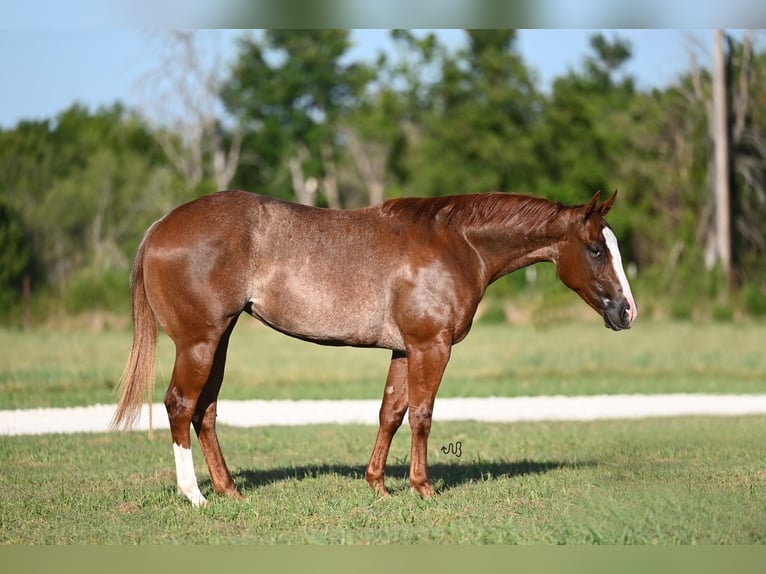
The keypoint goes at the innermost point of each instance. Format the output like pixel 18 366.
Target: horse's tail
pixel 138 375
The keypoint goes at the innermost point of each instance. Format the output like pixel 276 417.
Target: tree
pixel 476 135
pixel 184 101
pixel 721 162
pixel 78 192
pixel 744 72
pixel 15 256
pixel 747 78
pixel 378 134
pixel 586 125
pixel 289 89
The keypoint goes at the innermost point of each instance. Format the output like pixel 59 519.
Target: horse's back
pixel 325 275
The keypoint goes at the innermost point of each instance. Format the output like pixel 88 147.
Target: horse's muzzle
pixel 619 315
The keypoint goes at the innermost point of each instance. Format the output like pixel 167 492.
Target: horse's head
pixel 589 263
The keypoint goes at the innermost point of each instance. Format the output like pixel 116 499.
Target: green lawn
pixel 46 368
pixel 661 481
pixel 689 480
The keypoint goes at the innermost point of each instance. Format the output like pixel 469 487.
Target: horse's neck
pixel 508 245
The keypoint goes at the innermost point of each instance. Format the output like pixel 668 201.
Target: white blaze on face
pixel 614 250
pixel 186 477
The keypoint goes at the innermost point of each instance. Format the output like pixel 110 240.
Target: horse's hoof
pixel 380 489
pixel 237 495
pixel 196 499
pixel 424 490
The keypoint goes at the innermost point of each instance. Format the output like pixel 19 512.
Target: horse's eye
pixel 596 251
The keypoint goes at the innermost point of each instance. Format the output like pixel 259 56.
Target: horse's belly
pixel 316 312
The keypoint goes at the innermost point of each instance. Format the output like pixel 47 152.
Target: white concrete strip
pixel 494 409
pixel 93 418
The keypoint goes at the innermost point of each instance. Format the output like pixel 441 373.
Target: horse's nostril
pixel 625 313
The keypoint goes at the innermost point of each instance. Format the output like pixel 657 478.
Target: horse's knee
pixel 171 399
pixel 420 419
pixel 391 419
pixel 178 406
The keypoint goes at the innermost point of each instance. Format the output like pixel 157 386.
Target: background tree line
pixel 294 117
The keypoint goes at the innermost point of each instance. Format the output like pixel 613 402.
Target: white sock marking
pixel 186 477
pixel 614 250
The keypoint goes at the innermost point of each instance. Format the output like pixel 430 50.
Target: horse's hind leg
pixel 190 372
pixel 198 363
pixel 392 410
pixel 204 421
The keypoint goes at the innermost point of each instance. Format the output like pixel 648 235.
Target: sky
pixel 45 71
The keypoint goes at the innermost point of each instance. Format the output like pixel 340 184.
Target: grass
pixel 692 480
pixel 661 481
pixel 46 368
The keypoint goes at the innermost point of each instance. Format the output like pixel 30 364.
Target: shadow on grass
pixel 444 476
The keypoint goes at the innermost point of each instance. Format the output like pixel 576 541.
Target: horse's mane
pixel 474 210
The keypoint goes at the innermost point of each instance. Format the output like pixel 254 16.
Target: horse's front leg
pixel 392 411
pixel 426 364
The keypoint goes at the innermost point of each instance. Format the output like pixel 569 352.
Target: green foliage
pixel 475 133
pixel 289 89
pixel 95 289
pixel 723 312
pixel 76 197
pixel 77 191
pixel 15 255
pixel 754 300
pixel 681 309
pixel 493 312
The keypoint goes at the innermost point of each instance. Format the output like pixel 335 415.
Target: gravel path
pixel 264 413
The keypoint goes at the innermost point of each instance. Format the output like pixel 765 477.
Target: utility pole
pixel 721 135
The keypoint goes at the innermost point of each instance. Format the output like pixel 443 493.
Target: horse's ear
pixel 591 206
pixel 607 205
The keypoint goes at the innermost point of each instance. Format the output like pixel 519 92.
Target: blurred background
pixel 102 132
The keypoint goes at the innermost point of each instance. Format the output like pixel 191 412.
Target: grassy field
pixel 693 480
pixel 663 481
pixel 45 368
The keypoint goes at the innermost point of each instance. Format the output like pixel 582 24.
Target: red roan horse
pixel 406 275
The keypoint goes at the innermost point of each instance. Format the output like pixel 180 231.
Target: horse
pixel 406 275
